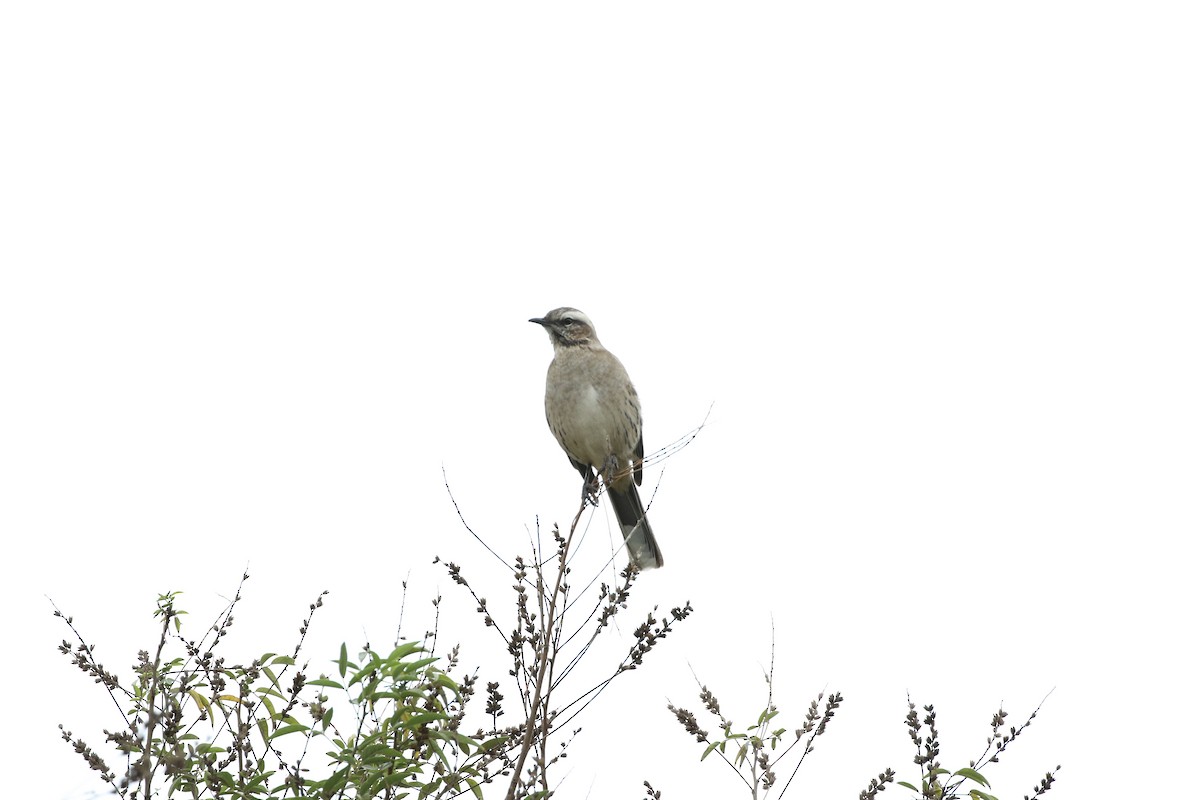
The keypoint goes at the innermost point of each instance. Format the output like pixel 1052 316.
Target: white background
pixel 267 270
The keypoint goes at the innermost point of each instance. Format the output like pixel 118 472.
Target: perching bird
pixel 593 411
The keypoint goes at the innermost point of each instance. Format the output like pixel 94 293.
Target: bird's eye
pixel 568 322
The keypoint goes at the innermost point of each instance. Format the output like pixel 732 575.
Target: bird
pixel 594 413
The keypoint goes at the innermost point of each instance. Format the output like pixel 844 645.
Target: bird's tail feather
pixel 639 539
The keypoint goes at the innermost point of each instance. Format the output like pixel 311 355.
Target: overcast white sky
pixel 266 271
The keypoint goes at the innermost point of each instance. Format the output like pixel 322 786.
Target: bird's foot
pixel 591 490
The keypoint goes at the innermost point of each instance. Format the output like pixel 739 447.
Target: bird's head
pixel 568 327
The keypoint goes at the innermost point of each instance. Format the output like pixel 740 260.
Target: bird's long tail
pixel 639 539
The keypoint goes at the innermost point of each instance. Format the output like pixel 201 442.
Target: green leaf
pixel 286 729
pixel 419 664
pixel 405 694
pixel 266 691
pixel 422 719
pixel 343 660
pixel 438 751
pixel 326 682
pixel 967 772
pixel 406 649
pixel 907 785
pixel 334 783
pixel 444 681
pixel 202 703
pixel 978 795
pixel 493 742
pixel 366 669
pixel 463 742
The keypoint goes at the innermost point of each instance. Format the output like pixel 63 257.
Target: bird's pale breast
pixel 588 394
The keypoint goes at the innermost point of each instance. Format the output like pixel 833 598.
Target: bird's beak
pixel 540 321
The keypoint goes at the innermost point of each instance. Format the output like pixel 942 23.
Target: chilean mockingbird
pixel 593 411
